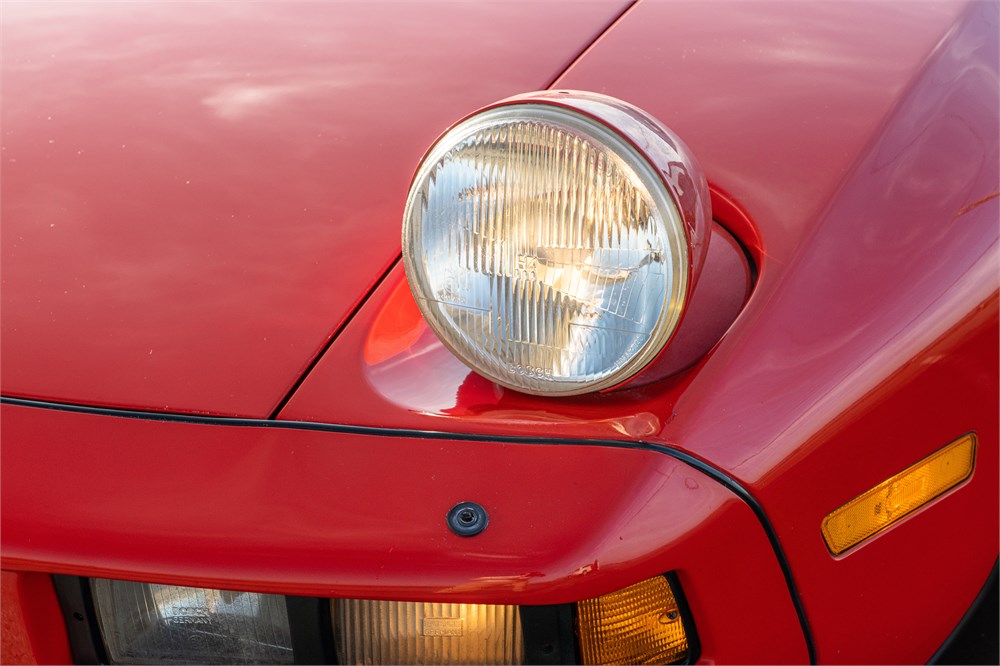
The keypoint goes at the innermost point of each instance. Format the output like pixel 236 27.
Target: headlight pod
pixel 552 240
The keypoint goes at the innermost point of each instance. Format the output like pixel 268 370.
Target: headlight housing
pixel 552 240
pixel 148 623
pixel 144 623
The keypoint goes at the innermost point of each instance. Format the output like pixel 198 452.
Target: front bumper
pixel 337 511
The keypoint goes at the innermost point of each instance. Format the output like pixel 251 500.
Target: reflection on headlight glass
pixel 544 253
pixel 145 623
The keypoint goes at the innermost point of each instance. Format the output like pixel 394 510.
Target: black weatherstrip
pixel 721 477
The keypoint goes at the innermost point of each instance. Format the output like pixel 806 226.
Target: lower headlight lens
pixel 144 623
pixel 544 250
pixel 399 632
pixel 638 625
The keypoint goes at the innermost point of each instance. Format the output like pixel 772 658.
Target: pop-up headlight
pixel 550 241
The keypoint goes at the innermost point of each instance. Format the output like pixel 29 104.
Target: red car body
pixel 214 374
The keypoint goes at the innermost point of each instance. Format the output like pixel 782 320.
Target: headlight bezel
pixel 668 172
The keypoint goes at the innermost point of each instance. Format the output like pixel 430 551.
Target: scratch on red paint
pixel 965 209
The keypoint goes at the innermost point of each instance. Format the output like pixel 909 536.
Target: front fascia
pixel 331 511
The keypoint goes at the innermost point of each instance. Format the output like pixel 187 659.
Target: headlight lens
pixel 545 250
pixel 145 623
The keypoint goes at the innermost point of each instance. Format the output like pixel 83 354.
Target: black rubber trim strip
pixel 721 477
pixel 985 601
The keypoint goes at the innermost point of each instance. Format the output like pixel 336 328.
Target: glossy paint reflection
pixel 892 266
pixel 194 200
pixel 870 340
pixel 835 72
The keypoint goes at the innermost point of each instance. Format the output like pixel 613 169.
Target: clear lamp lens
pixel 400 632
pixel 144 623
pixel 544 250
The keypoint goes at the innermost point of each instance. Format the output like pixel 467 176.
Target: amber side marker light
pixel 641 624
pixel 897 497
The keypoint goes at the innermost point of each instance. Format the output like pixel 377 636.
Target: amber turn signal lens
pixel 638 625
pixel 895 498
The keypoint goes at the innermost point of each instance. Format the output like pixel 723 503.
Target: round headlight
pixel 546 249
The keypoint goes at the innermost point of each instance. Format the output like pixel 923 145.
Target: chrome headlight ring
pixel 551 240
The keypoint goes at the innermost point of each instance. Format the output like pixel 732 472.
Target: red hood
pixel 861 140
pixel 195 197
